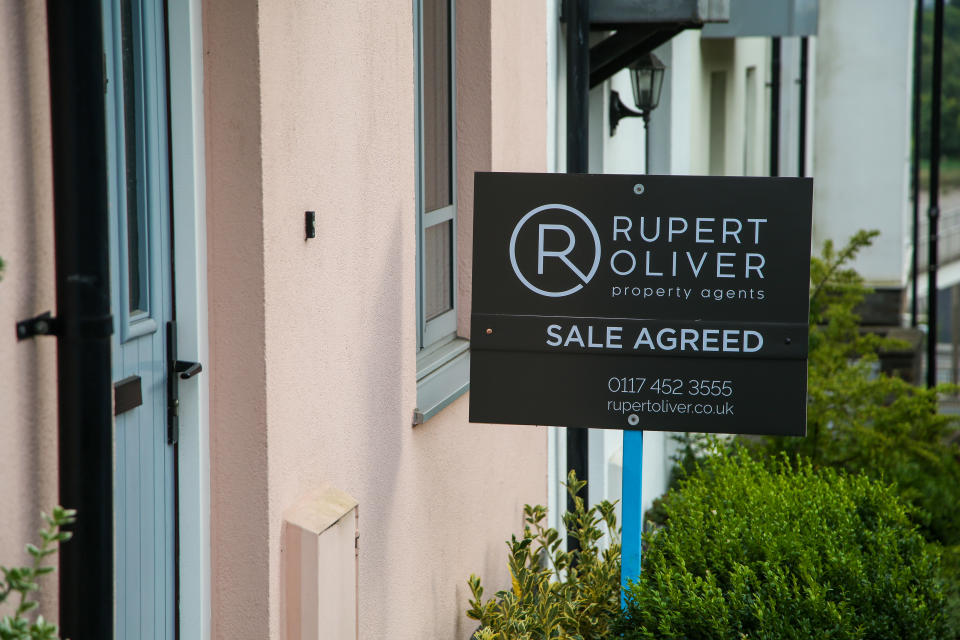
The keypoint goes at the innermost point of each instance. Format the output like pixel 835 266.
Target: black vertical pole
pixel 577 13
pixel 646 142
pixel 578 84
pixel 915 168
pixel 933 213
pixel 802 146
pixel 74 30
pixel 775 108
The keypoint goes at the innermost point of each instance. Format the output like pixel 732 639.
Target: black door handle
pixel 187 369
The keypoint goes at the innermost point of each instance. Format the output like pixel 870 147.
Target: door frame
pixel 188 209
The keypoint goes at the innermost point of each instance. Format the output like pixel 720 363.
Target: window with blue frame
pixel 442 357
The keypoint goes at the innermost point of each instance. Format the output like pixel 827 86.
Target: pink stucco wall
pixel 28 401
pixel 310 105
pixel 238 427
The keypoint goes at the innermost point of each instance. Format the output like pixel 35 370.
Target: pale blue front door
pixel 142 301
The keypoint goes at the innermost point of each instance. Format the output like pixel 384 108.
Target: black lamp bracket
pixel 619 110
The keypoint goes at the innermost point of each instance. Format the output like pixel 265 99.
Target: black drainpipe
pixel 933 212
pixel 775 108
pixel 915 168
pixel 578 128
pixel 74 30
pixel 804 73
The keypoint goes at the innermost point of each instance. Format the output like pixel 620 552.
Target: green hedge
pixel 782 551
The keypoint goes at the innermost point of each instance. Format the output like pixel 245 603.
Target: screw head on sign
pixel 633 419
pixel 638 189
pixel 489 331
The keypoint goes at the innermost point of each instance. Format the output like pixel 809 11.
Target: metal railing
pixel 948 237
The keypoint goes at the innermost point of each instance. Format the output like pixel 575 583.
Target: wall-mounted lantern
pixel 646 76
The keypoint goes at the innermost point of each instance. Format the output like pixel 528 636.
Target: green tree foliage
pixel 782 551
pixel 860 420
pixel 556 595
pixel 22 581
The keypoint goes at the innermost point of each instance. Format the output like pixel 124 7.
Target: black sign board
pixel 672 303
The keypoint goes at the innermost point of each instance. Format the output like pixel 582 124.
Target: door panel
pixel 142 300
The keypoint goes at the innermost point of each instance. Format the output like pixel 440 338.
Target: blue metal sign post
pixel 632 510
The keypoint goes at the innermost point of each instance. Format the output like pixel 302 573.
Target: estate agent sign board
pixel 641 302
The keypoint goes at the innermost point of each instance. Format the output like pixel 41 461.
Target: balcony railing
pixel 948 237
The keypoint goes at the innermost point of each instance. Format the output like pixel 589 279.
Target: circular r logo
pixel 554 227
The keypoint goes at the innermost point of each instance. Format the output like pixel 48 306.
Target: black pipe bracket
pixel 42 325
pixel 46 325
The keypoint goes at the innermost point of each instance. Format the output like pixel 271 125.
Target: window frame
pixel 443 372
pixel 145 153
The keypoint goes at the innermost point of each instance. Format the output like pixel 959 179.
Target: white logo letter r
pixel 562 255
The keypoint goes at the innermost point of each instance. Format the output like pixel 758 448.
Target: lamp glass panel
pixel 656 86
pixel 642 88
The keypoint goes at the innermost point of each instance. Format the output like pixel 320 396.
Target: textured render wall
pixel 28 399
pixel 238 429
pixel 435 501
pixel 474 139
pixel 519 92
pixel 861 137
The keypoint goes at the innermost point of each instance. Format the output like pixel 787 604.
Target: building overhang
pixel 640 26
pixel 767 18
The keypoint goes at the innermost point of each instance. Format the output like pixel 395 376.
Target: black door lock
pixel 186 370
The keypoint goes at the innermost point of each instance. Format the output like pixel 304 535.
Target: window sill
pixel 443 375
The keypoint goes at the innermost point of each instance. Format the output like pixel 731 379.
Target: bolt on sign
pixel 673 303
